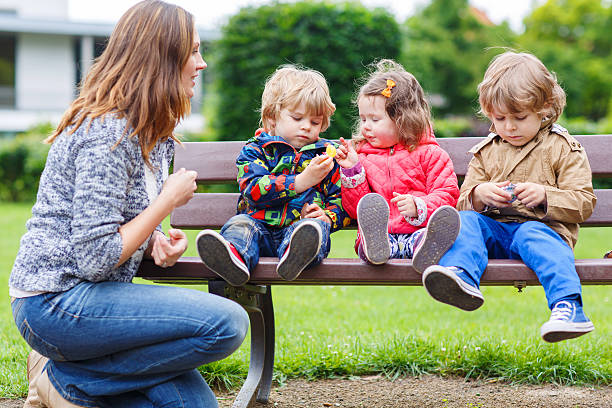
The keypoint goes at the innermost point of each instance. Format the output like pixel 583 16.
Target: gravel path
pixel 428 391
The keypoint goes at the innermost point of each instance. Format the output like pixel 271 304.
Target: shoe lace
pixel 562 313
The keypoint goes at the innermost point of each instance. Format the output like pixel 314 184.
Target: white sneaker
pixel 567 321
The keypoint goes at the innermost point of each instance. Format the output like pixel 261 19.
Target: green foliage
pixel 459 126
pixel 22 161
pixel 448 49
pixel 572 38
pixel 337 39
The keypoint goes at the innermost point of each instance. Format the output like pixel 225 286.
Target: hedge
pixel 337 39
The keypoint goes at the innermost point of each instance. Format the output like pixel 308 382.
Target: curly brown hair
pixel 520 81
pixel 406 105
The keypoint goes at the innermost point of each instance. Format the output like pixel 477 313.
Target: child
pixel 527 188
pixel 395 177
pixel 290 190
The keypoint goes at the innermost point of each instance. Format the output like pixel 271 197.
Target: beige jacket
pixel 554 159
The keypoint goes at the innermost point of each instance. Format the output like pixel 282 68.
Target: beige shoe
pixel 41 393
pixel 35 364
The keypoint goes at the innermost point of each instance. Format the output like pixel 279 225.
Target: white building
pixel 43 56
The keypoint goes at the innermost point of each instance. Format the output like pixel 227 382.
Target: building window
pixel 7 70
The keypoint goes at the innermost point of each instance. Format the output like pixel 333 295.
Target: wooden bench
pixel 215 163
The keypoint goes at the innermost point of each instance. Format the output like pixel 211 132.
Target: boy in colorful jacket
pixel 290 199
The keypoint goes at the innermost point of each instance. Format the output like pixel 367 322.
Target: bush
pixel 339 40
pixel 22 161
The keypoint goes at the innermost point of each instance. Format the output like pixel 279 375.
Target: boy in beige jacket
pixel 527 188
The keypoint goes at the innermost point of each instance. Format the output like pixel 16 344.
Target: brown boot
pixel 35 365
pixel 49 395
pixel 41 393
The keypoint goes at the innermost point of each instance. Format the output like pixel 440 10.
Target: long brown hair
pixel 138 76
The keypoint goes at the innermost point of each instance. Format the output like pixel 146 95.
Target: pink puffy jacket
pixel 426 172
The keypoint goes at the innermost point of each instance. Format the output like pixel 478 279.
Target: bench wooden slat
pixel 215 161
pixel 212 210
pixel 353 271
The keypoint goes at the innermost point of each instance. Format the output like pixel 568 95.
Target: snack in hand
pixel 330 150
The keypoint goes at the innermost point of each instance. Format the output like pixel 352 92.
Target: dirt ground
pixel 429 391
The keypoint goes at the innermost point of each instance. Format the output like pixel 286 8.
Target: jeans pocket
pixel 37 343
pixel 16 305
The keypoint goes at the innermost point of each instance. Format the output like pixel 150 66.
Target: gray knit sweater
pixel 87 190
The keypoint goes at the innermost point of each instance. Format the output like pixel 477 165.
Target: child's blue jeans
pixel 115 344
pixel 254 238
pixel 533 242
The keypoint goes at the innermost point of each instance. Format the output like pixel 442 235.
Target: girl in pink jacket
pixel 396 179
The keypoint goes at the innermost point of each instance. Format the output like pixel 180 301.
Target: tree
pixel 572 38
pixel 448 47
pixel 337 39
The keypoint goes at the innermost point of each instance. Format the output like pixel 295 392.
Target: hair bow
pixel 387 91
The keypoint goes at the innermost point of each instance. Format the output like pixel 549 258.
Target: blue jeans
pixel 114 344
pixel 254 238
pixel 533 242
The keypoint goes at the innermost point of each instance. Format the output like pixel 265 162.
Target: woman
pixel 102 197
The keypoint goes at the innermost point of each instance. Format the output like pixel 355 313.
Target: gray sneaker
pixel 373 224
pixel 222 258
pixel 444 285
pixel 304 245
pixel 440 234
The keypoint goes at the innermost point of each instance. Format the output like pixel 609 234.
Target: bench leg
pixel 257 301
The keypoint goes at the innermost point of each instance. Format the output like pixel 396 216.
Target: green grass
pixel 332 331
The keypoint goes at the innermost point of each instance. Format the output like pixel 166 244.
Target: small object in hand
pixel 330 150
pixel 510 189
pixel 164 265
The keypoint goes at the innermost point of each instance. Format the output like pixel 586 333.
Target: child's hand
pixel 314 173
pixel 405 204
pixel 165 252
pixel 530 194
pixel 346 156
pixel 314 211
pixel 491 194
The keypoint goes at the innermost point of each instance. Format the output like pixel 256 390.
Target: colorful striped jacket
pixel 267 168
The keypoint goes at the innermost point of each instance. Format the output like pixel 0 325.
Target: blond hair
pixel 138 76
pixel 291 85
pixel 518 82
pixel 406 105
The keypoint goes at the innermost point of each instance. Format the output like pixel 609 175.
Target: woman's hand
pixel 177 190
pixel 346 155
pixel 165 252
pixel 179 187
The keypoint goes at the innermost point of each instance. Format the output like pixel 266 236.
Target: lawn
pixel 342 331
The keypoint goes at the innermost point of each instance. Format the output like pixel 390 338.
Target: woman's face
pixel 194 64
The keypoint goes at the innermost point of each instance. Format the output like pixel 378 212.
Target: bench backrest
pixel 215 163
